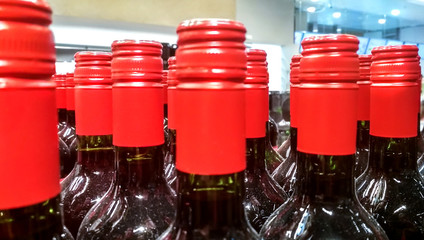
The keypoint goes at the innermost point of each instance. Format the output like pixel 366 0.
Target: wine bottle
pixel 68 134
pixel 29 173
pixel 391 187
pixel 211 67
pixel 60 80
pixel 324 204
pixel 170 172
pixel 94 170
pixel 363 126
pixel 139 204
pixel 285 173
pixel 272 158
pixel 263 194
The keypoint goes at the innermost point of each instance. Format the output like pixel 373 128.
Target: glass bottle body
pixel 362 147
pixel 40 221
pixel 69 137
pixel 392 189
pixel 324 205
pixel 285 174
pixel 139 205
pixel 210 207
pixel 263 194
pixel 272 158
pixel 170 171
pixel 89 180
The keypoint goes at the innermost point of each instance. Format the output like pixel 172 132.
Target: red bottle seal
pixel 211 68
pixel 328 95
pixel 394 95
pixel 256 85
pixel 172 90
pixel 29 160
pixel 364 85
pixel 70 92
pixel 137 93
pixel 164 83
pixel 294 88
pixel 60 80
pixel 93 93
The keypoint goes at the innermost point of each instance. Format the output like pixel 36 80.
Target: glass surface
pixel 272 158
pixel 392 189
pixel 69 137
pixel 285 174
pixel 42 221
pixel 170 171
pixel 263 194
pixel 324 205
pixel 362 147
pixel 89 180
pixel 139 205
pixel 210 208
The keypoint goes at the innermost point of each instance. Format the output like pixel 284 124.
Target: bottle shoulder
pixel 302 219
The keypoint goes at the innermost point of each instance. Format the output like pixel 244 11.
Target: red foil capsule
pixel 294 88
pixel 364 85
pixel 60 80
pixel 70 92
pixel 172 87
pixel 256 85
pixel 93 93
pixel 329 70
pixel 394 95
pixel 29 171
pixel 211 66
pixel 137 91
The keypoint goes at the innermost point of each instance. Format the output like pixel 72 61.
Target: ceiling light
pixel 395 12
pixel 337 14
pixel 311 9
pixel 382 21
pixel 338 30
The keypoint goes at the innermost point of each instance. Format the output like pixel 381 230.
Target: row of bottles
pixel 194 159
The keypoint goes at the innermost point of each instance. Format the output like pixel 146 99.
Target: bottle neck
pixel 70 118
pixel 325 178
pixel 95 153
pixel 255 155
pixel 363 134
pixel 393 155
pixel 212 202
pixel 62 115
pixel 139 168
pixel 293 139
pixel 165 110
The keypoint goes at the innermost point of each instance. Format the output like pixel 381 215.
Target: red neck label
pixel 294 89
pixel 28 117
pixel 393 110
pixel 172 97
pixel 70 98
pixel 137 115
pixel 61 98
pixel 256 111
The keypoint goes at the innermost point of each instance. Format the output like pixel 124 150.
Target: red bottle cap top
pixel 164 81
pixel 70 80
pixel 364 85
pixel 211 69
pixel 329 57
pixel 136 60
pixel 394 92
pixel 172 72
pixel 328 95
pixel 26 42
pixel 211 48
pixel 60 80
pixel 257 71
pixel 138 97
pixel 364 67
pixel 294 69
pixel 92 68
pixel 395 63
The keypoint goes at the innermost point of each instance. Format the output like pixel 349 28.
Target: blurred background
pixel 276 26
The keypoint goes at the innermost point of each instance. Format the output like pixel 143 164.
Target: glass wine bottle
pixel 391 188
pixel 139 204
pixel 94 170
pixel 285 173
pixel 29 173
pixel 272 158
pixel 263 194
pixel 170 172
pixel 211 67
pixel 363 125
pixel 324 204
